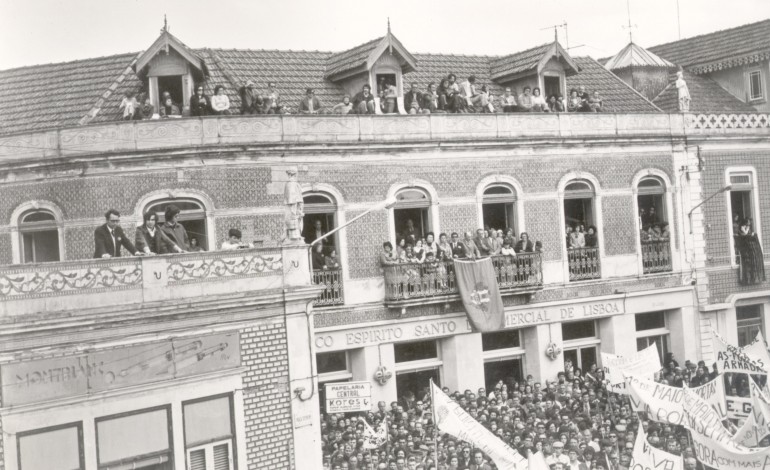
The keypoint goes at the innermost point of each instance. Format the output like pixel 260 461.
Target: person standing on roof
pixel 251 102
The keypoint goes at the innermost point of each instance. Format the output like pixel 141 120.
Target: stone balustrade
pixel 78 285
pixel 266 129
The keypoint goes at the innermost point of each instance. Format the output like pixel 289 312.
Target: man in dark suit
pixel 109 237
pixel 412 100
pixel 458 251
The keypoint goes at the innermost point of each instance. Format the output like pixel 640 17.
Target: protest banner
pixel 757 350
pixel 663 403
pixel 730 358
pixel 643 364
pixel 748 434
pixel 647 457
pixel 452 419
pixel 714 445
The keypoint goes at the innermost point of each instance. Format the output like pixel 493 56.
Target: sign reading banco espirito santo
pixel 346 397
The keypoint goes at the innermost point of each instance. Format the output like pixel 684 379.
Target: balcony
pixel 656 256
pixel 413 283
pixel 111 284
pixel 131 136
pixel 331 280
pixel 584 264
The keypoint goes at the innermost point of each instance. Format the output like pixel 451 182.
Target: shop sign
pixel 335 340
pixel 561 313
pixel 47 379
pixel 345 397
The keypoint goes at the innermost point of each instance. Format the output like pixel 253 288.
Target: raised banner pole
pixel 435 423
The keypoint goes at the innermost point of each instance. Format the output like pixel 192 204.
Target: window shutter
pixel 222 457
pixel 198 459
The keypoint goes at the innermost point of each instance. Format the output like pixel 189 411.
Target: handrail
pixel 130 136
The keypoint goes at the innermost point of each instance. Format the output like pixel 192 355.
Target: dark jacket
pixel 199 106
pixel 251 102
pixel 411 97
pixel 522 248
pixel 157 244
pixel 104 245
pixel 177 236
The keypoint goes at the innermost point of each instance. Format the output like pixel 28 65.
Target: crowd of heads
pixel 573 419
pixel 449 95
pixel 413 247
pixel 652 228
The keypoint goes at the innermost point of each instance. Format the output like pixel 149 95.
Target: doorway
pixel 552 86
pixel 173 85
pixel 417 382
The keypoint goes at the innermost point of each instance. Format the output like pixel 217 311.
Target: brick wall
pixel 618 225
pixel 542 224
pixel 266 397
pixel 365 239
pixel 716 210
pixel 458 218
pixel 724 283
pixel 6 257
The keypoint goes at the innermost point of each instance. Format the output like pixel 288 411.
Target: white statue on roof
pixel 683 93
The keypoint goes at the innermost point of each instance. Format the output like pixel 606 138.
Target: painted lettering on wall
pixel 544 315
pixel 404 332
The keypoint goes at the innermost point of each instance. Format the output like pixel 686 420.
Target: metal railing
pixel 656 256
pixel 333 293
pixel 584 264
pixel 424 280
pixel 522 270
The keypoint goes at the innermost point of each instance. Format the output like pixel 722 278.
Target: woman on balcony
pixel 751 267
pixel 220 102
pixel 149 237
pixel 591 240
pixel 318 258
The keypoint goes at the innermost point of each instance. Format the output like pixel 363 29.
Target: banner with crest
pixel 477 283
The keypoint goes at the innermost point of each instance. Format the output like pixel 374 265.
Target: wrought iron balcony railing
pixel 584 264
pixel 333 293
pixel 656 256
pixel 407 281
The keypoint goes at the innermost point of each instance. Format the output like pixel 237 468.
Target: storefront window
pixel 140 440
pixel 417 363
pixel 651 329
pixel 503 354
pixel 749 319
pixel 56 448
pixel 580 342
pixel 331 362
pixel 500 340
pixel 208 430
pixel 415 351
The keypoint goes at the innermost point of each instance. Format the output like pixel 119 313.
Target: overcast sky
pixel 44 31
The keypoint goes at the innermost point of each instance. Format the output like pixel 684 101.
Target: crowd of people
pixel 449 96
pixel 574 420
pixel 154 238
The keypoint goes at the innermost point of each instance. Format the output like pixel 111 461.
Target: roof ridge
pixel 711 33
pixel 261 50
pixel 70 61
pixel 527 50
pixel 360 45
pixel 97 106
pixel 624 83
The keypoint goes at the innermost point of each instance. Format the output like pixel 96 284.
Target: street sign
pixel 348 397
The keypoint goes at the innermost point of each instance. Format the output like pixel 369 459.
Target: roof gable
pixel 617 96
pixel 532 60
pixel 634 55
pixel 721 49
pixel 165 41
pixel 361 58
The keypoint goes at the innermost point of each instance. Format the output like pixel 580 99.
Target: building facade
pixel 222 356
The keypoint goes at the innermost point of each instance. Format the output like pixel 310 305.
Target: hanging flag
pixel 747 434
pixel 372 439
pixel 647 456
pixel 643 364
pixel 731 358
pixel 451 419
pixel 477 284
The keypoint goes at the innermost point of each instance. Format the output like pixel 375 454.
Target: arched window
pixel 320 218
pixel 192 216
pixel 498 207
pixel 650 199
pixel 39 234
pixel 582 237
pixel 411 213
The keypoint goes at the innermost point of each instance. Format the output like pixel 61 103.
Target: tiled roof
pixel 706 96
pixel 518 62
pixel 343 61
pixel 617 96
pixel 634 55
pixel 434 67
pixel 721 49
pixel 56 95
pixel 73 93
